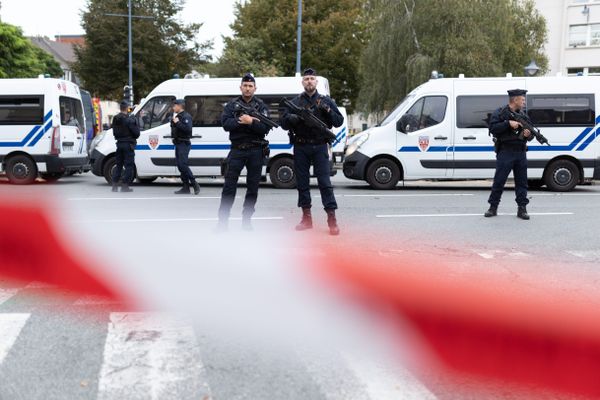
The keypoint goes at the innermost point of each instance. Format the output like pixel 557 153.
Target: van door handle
pixel 469 137
pixel 441 138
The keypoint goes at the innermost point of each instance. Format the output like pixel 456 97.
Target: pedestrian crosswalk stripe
pixel 10 329
pixel 151 356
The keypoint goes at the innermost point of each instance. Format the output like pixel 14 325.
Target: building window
pixel 579 71
pixel 584 35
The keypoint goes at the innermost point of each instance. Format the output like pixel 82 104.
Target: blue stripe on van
pixel 41 134
pixel 459 149
pixel 27 137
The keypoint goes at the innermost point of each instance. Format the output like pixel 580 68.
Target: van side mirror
pixel 400 126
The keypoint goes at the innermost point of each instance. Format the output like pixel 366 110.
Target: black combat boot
pixel 306 221
pixel 196 187
pixel 125 188
pixel 115 187
pixel 492 212
pixel 522 213
pixel 334 230
pixel 222 226
pixel 185 189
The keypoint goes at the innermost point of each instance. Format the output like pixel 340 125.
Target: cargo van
pixel 42 129
pixel 205 99
pixel 440 132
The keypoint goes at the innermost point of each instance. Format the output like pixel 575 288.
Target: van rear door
pixel 72 127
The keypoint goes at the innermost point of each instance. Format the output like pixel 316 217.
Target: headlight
pixel 356 143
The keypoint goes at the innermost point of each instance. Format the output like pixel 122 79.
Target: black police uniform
pixel 247 143
pixel 125 131
pixel 312 147
pixel 182 134
pixel 511 155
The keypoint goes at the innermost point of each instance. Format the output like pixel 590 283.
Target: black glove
pixel 294 120
pixel 324 107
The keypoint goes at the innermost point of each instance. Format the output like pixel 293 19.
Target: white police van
pixel 41 129
pixel 440 132
pixel 205 99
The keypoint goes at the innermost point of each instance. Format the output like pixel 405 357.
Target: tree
pixel 162 46
pixel 264 41
pixel 19 58
pixel 411 38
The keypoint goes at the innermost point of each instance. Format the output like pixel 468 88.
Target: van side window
pixel 476 111
pixel 155 112
pixel 426 112
pixel 71 112
pixel 272 103
pixel 21 110
pixel 206 111
pixel 562 110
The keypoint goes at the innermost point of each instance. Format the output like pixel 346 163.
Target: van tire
pixel 107 170
pixel 51 177
pixel 21 170
pixel 383 174
pixel 282 173
pixel 561 176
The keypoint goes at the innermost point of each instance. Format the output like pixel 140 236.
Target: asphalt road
pixel 56 345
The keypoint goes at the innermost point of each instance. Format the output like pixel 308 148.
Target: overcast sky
pixel 53 17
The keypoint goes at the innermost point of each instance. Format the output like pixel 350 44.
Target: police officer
pixel 312 147
pixel 247 136
pixel 125 131
pixel 511 153
pixel 181 131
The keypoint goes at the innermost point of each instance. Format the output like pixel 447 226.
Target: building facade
pixel 573 45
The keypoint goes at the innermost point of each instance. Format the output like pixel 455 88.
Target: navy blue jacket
pixel 501 130
pixel 125 128
pixel 240 133
pixel 332 118
pixel 182 130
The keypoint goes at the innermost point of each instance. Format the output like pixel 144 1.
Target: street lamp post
pixel 299 40
pixel 531 69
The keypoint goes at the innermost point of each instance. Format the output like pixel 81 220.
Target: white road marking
pixel 490 254
pixel 462 215
pixel 151 356
pixel 563 194
pixel 6 294
pixel 190 197
pixel 586 254
pixel 10 328
pixel 383 382
pixel 211 219
pixel 411 195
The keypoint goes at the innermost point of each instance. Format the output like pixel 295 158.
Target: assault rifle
pixel 253 112
pixel 310 120
pixel 526 124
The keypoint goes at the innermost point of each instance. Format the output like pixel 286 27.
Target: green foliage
pixel 264 41
pixel 162 46
pixel 19 58
pixel 411 38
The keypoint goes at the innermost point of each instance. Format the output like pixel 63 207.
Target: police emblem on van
pixel 153 141
pixel 424 143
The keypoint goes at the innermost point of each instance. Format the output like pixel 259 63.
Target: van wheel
pixel 383 174
pixel 147 180
pixel 561 176
pixel 21 170
pixel 51 177
pixel 282 173
pixel 109 166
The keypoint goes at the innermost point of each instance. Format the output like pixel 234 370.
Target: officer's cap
pixel 180 102
pixel 248 78
pixel 517 92
pixel 124 104
pixel 309 72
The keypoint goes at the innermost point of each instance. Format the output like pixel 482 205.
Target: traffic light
pixel 128 93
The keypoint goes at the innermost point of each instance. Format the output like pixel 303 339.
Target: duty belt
pixel 245 146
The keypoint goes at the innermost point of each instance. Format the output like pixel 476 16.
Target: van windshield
pixel 392 116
